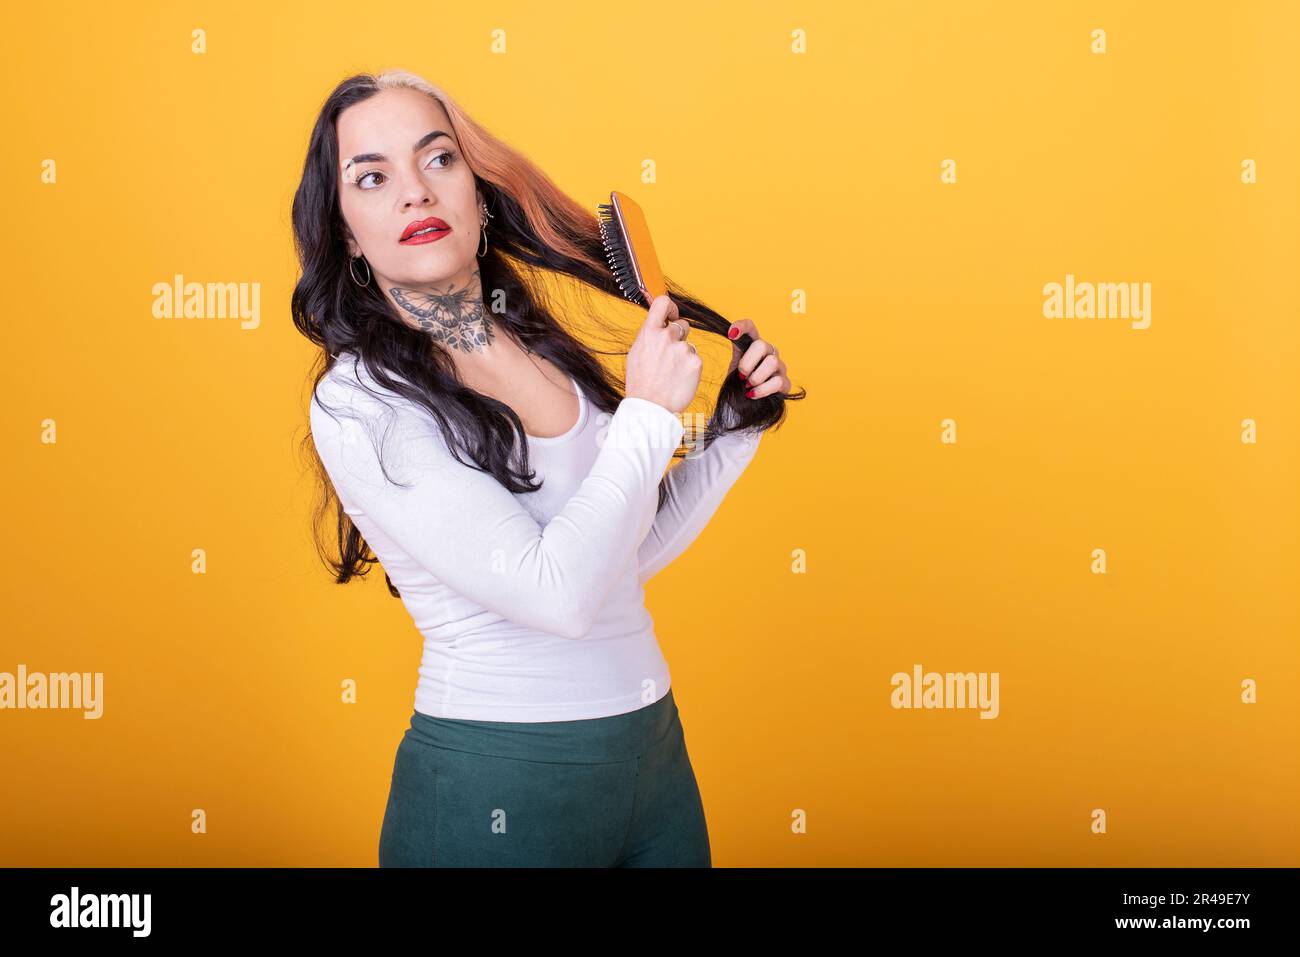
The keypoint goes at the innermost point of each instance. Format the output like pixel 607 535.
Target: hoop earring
pixel 352 263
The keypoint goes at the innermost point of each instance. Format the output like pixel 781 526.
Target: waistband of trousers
pixel 618 737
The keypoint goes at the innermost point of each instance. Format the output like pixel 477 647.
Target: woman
pixel 515 496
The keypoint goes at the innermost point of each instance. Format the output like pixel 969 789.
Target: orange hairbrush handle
pixel 646 272
pixel 639 249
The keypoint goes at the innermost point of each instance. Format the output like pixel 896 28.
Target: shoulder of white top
pixel 349 376
pixel 347 392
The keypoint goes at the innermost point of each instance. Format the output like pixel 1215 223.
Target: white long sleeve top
pixel 531 605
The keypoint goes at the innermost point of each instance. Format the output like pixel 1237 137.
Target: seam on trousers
pixel 636 787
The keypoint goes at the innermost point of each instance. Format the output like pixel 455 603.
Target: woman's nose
pixel 417 194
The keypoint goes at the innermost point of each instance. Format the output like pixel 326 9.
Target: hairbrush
pixel 631 254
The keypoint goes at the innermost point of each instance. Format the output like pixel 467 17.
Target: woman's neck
pixel 451 313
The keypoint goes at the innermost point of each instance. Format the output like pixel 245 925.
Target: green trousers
pixel 617 791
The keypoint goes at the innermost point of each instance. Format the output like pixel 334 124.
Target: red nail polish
pixel 733 332
pixel 742 375
pixel 750 393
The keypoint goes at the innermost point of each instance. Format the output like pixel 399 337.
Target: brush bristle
pixel 616 254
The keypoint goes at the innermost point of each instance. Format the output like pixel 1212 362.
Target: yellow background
pixel 776 172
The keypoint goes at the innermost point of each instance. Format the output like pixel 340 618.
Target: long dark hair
pixel 536 233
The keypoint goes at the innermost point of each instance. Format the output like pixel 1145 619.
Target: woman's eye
pixel 375 178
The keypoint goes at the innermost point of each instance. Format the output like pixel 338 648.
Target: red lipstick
pixel 424 231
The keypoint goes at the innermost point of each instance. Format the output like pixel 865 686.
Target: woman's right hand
pixel 661 365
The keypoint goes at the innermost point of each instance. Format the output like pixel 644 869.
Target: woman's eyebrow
pixel 424 141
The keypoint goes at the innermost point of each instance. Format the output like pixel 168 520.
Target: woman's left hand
pixel 760 368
